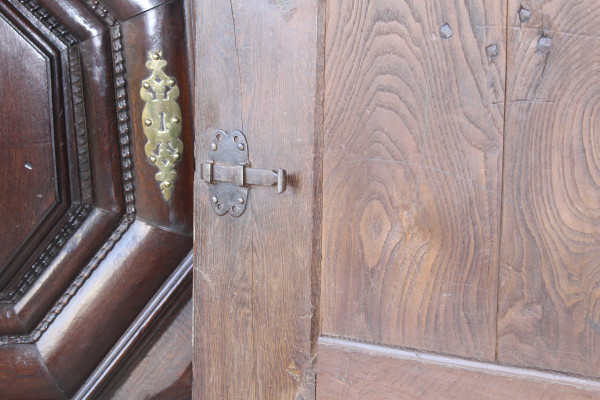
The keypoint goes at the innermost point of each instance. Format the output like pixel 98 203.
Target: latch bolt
pixel 229 175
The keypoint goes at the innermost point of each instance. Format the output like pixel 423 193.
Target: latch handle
pixel 243 176
pixel 229 175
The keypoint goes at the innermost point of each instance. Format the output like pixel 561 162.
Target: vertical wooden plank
pixel 256 71
pixel 549 311
pixel 412 167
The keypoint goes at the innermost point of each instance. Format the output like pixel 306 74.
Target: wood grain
pixel 412 168
pixel 22 364
pixel 142 34
pixel 549 311
pixel 57 95
pixel 349 370
pixel 124 10
pixel 256 71
pixel 26 139
pixel 125 365
pixel 107 302
pixel 164 369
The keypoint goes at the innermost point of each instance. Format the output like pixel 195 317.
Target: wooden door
pixel 439 236
pixel 95 270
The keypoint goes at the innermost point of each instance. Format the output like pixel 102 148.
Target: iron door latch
pixel 229 175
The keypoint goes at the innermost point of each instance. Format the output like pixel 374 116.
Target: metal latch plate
pixel 231 150
pixel 229 175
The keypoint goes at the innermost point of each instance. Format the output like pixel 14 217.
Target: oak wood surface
pixel 23 364
pixel 86 23
pixel 549 301
pixel 164 369
pixel 88 285
pixel 256 71
pixel 112 296
pixel 412 173
pixel 125 365
pixel 28 290
pixel 123 10
pixel 58 96
pixel 30 308
pixel 142 34
pixel 350 370
pixel 28 186
pixel 101 117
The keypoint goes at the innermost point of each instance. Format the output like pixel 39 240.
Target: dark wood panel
pixel 28 188
pixel 22 364
pixel 58 97
pixel 144 335
pixel 98 274
pixel 256 71
pixel 45 289
pixel 412 168
pixel 76 338
pixel 159 29
pixel 124 10
pixel 549 312
pixel 163 370
pixel 75 16
pixel 47 271
pixel 350 370
pixel 101 119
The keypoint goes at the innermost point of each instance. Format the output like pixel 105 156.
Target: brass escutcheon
pixel 161 120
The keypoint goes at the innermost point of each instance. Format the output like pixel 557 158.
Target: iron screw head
pixel 446 32
pixel 491 50
pixel 148 122
pixel 524 15
pixel 146 85
pixel 167 183
pixel 152 159
pixel 155 56
pixel 215 200
pixel 240 146
pixel 175 120
pixel 171 82
pixel 241 200
pixel 176 156
pixel 544 44
pixel 213 146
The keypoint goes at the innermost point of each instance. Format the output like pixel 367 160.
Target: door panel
pixel 101 263
pixel 412 173
pixel 449 149
pixel 549 301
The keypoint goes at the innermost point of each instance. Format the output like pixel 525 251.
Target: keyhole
pixel 163 125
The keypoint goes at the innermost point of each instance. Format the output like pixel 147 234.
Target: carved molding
pixel 75 219
pixel 128 192
pixel 180 282
pixel 81 135
pixel 102 12
pixel 78 212
pixel 49 22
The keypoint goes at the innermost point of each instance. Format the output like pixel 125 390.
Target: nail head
pixel 491 50
pixel 524 15
pixel 446 32
pixel 544 44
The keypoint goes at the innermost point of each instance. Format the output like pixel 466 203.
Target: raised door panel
pixel 28 188
pixel 107 258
